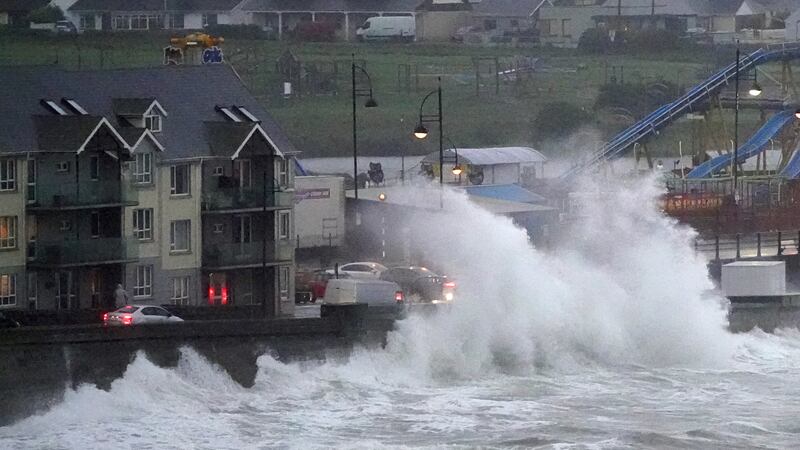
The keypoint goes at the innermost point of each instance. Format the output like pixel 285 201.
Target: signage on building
pixel 212 55
pixel 311 194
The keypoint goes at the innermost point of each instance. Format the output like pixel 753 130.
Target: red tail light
pixel 210 295
pixel 224 295
pixel 127 319
pixel 398 297
pixel 450 284
pixel 105 317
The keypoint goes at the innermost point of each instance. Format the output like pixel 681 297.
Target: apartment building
pixel 172 181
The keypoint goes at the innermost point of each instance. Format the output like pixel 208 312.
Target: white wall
pixel 319 210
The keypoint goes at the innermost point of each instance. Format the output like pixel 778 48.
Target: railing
pixel 247 253
pixel 756 245
pixel 83 252
pixel 233 198
pixel 54 195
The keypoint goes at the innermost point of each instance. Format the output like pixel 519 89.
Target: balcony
pixel 236 198
pixel 89 194
pixel 246 254
pixel 86 252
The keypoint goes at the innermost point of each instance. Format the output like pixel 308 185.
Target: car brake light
pixel 105 317
pixel 450 284
pixel 127 319
pixel 210 295
pixel 224 295
pixel 398 297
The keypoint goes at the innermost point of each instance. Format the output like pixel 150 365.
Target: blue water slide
pixel 752 147
pixel 669 112
pixel 792 168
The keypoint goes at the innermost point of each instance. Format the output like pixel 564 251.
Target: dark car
pixel 7 322
pixel 421 285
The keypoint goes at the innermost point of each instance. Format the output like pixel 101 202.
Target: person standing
pixel 120 297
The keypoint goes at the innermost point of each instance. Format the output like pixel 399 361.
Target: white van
pixel 370 292
pixel 402 28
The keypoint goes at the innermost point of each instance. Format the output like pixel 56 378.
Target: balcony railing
pixel 52 195
pixel 245 198
pixel 82 252
pixel 246 253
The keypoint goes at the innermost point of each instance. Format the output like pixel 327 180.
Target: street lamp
pixel 421 132
pixel 755 89
pixel 457 169
pixel 736 128
pixel 370 103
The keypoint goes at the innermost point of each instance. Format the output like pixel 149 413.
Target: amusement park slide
pixel 670 112
pixel 752 147
pixel 792 168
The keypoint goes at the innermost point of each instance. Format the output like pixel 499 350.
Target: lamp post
pixel 421 132
pixel 457 169
pixel 754 91
pixel 370 103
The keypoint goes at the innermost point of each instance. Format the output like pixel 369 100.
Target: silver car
pixel 139 315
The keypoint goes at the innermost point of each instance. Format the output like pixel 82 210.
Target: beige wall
pixel 148 197
pixel 440 25
pixel 12 203
pixel 567 34
pixel 180 208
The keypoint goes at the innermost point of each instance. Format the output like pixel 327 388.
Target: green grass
pixel 321 125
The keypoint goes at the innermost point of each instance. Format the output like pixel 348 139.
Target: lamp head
pixel 755 90
pixel 420 132
pixel 457 170
pixel 370 103
pixel 797 114
pixel 382 197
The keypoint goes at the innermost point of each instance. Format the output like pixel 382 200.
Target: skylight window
pixel 53 107
pixel 228 113
pixel 247 114
pixel 73 105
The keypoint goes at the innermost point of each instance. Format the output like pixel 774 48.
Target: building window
pixel 283 225
pixel 283 283
pixel 122 22
pixel 94 167
pixel 243 173
pixel 218 171
pixel 176 21
pixel 143 224
pixel 180 291
pixel 87 22
pixel 242 229
pixel 66 225
pixel 179 180
pixel 546 27
pixel 8 232
pixel 95 224
pixel 179 233
pixel 153 123
pixel 209 20
pixel 8 290
pixel 143 286
pixel 143 168
pixel 566 28
pixel 8 175
pixel 489 24
pixel 31 181
pixel 33 291
pixel 62 166
pixel 218 228
pixel 283 172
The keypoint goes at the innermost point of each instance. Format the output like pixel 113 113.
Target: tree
pixel 559 119
pixel 46 14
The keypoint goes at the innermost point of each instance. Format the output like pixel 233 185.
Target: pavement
pixel 306 311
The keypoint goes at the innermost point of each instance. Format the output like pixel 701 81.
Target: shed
pixel 491 165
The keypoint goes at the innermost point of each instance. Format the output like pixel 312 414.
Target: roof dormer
pixel 141 112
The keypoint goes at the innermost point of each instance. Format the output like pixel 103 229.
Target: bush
pixel 594 40
pixel 46 14
pixel 559 119
pixel 650 40
pixel 252 32
pixel 315 31
pixel 637 98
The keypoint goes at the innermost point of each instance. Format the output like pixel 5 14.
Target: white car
pixel 139 315
pixel 363 270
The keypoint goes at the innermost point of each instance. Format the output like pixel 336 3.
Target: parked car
pixel 65 26
pixel 8 322
pixel 364 291
pixel 370 270
pixel 402 28
pixel 421 285
pixel 139 315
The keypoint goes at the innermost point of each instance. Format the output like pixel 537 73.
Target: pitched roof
pixel 762 6
pixel 506 8
pixel 659 7
pixel 331 5
pixel 189 94
pixel 154 5
pixel 131 106
pixel 21 5
pixel 489 156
